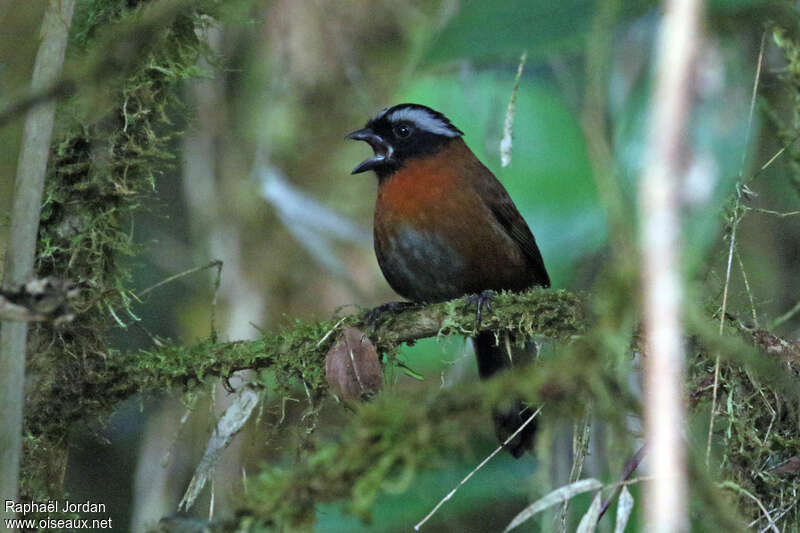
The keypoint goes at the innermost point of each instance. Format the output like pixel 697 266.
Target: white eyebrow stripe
pixel 424 121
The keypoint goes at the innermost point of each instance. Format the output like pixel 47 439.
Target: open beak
pixel 383 151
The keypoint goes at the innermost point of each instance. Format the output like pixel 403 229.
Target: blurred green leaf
pixel 483 30
pixel 502 486
pixel 731 6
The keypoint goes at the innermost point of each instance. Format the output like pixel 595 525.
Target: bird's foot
pixel 372 316
pixel 482 299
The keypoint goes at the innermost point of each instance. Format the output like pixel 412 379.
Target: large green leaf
pixel 482 30
pixel 486 30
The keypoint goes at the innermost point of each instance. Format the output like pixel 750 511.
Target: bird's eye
pixel 402 131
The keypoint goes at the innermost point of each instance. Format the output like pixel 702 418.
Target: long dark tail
pixel 508 416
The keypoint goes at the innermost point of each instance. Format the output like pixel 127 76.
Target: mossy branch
pixel 391 439
pixel 296 353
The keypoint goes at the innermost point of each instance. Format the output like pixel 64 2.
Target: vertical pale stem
pixel 666 496
pixel 19 259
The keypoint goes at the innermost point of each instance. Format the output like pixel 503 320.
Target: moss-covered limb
pixel 298 353
pixel 397 436
pixel 755 432
pixel 768 342
pixel 392 438
pixel 554 314
pixel 746 348
pixel 91 386
pixel 755 427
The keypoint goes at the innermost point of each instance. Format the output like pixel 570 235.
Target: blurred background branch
pixel 667 158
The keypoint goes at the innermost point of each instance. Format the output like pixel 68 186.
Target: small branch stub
pixel 39 300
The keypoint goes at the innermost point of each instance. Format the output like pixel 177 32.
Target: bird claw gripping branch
pixel 481 300
pixel 374 315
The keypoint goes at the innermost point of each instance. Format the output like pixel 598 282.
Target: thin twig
pixel 737 488
pixel 774 213
pixel 786 316
pixel 715 387
pixel 627 482
pixel 331 330
pixel 775 156
pixel 751 112
pixel 213 264
pixel 474 470
pixel 780 515
pixel 580 445
pixel 217 282
pixel 630 467
pixel 217 263
pixel 508 124
pixel 747 289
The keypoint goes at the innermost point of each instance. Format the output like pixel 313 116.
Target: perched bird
pixel 445 227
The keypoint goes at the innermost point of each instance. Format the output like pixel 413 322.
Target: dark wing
pixel 506 213
pixel 508 216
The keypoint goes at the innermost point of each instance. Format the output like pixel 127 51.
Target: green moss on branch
pixel 296 353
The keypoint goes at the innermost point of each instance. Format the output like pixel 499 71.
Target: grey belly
pixel 421 266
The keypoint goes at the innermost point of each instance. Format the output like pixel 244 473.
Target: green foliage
pixel 382 450
pixel 756 433
pixel 755 429
pixel 393 439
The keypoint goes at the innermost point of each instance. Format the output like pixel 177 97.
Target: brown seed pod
pixel 352 367
pixel 791 466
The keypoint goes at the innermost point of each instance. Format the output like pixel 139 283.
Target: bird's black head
pixel 400 133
